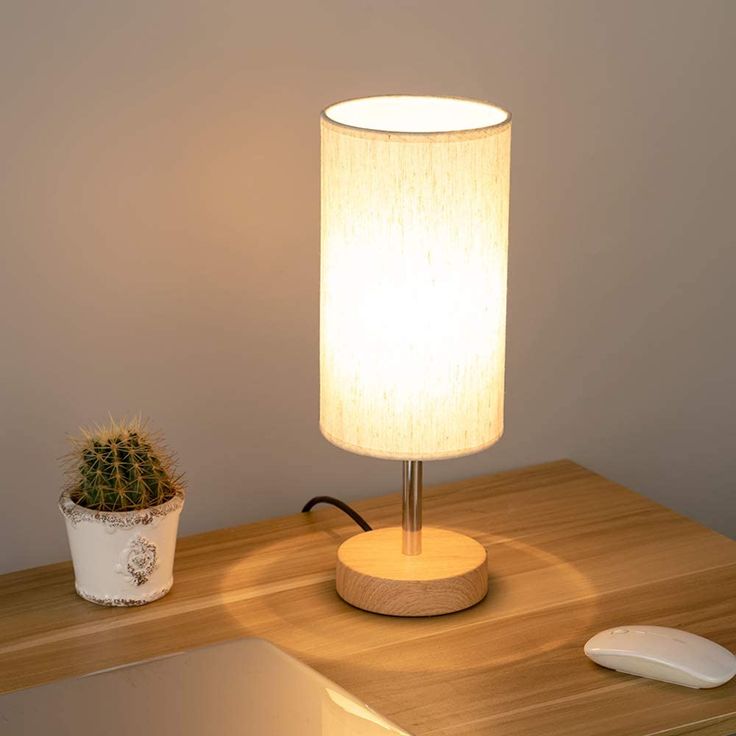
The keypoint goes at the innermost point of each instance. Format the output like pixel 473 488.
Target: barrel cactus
pixel 121 466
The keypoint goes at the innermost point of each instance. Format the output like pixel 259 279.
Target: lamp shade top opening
pixel 407 114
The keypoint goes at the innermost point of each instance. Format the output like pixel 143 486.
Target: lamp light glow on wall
pixel 415 199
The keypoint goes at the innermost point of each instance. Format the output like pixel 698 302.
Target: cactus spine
pixel 121 466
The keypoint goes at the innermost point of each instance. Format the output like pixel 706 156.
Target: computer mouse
pixel 669 655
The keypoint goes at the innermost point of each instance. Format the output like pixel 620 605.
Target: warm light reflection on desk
pixel 323 629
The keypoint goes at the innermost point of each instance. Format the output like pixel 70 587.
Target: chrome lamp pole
pixel 411 523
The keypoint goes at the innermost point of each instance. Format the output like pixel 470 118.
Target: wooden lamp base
pixel 450 574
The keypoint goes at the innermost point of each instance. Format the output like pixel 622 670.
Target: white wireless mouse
pixel 663 654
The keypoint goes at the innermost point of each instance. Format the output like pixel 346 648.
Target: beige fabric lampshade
pixel 415 200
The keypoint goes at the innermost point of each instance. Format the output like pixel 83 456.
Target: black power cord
pixel 352 513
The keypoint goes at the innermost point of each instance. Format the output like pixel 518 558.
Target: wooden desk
pixel 570 553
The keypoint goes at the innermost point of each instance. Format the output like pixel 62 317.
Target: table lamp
pixel 414 239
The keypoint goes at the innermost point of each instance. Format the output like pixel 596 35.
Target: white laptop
pixel 241 688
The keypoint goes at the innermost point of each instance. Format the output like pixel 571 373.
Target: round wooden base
pixel 450 574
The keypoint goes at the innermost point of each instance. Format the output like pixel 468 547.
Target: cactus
pixel 121 466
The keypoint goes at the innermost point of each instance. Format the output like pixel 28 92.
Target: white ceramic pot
pixel 122 558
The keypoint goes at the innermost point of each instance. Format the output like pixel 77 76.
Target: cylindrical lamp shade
pixel 415 199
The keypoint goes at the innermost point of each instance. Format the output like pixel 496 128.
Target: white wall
pixel 159 218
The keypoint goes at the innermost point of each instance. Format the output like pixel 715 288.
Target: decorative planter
pixel 122 558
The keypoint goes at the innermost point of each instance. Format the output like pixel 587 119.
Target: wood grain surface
pixel 569 553
pixel 449 575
